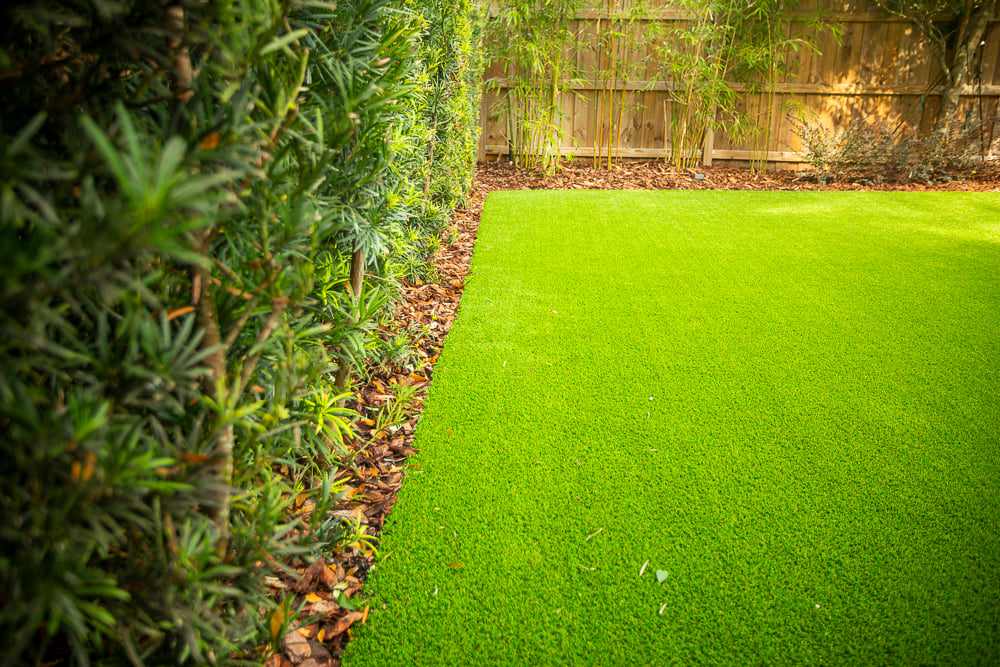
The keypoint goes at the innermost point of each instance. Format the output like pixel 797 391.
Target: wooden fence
pixel 880 68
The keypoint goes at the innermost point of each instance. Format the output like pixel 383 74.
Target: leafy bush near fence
pixel 183 185
pixel 873 150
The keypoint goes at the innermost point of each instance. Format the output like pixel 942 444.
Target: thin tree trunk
pixel 970 34
pixel 183 73
pixel 215 386
pixel 354 288
pixel 430 162
pixel 202 297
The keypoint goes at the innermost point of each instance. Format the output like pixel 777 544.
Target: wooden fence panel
pixel 880 69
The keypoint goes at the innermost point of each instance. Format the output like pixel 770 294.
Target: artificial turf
pixel 787 401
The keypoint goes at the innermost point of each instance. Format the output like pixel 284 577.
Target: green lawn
pixel 787 401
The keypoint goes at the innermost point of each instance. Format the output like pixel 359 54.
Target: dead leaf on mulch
pixel 347 621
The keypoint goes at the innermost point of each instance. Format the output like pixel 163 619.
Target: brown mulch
pixel 376 465
pixel 659 175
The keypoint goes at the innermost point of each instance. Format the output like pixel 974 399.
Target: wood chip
pixel 296 647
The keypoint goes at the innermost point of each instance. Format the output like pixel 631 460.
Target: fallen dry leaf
pixel 323 608
pixel 328 577
pixel 173 314
pixel 346 621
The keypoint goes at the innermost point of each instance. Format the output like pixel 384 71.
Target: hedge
pixel 183 188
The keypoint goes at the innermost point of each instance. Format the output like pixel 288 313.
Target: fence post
pixel 706 151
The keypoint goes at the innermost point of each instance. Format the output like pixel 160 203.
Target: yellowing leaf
pixel 210 142
pixel 88 467
pixel 173 314
pixel 81 472
pixel 312 597
pixel 277 621
pixel 321 636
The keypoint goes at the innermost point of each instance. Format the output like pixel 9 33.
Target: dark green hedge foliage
pixel 175 250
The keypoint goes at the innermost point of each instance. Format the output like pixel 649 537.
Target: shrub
pixel 872 150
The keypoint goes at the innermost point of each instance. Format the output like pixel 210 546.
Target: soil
pixel 375 466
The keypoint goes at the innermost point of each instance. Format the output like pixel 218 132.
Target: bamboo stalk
pixel 618 129
pixel 667 126
pixel 549 158
pixel 614 78
pixel 511 126
pixel 621 98
pixel 689 129
pixel 598 71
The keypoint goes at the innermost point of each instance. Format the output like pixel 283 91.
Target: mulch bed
pixel 376 465
pixel 660 175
